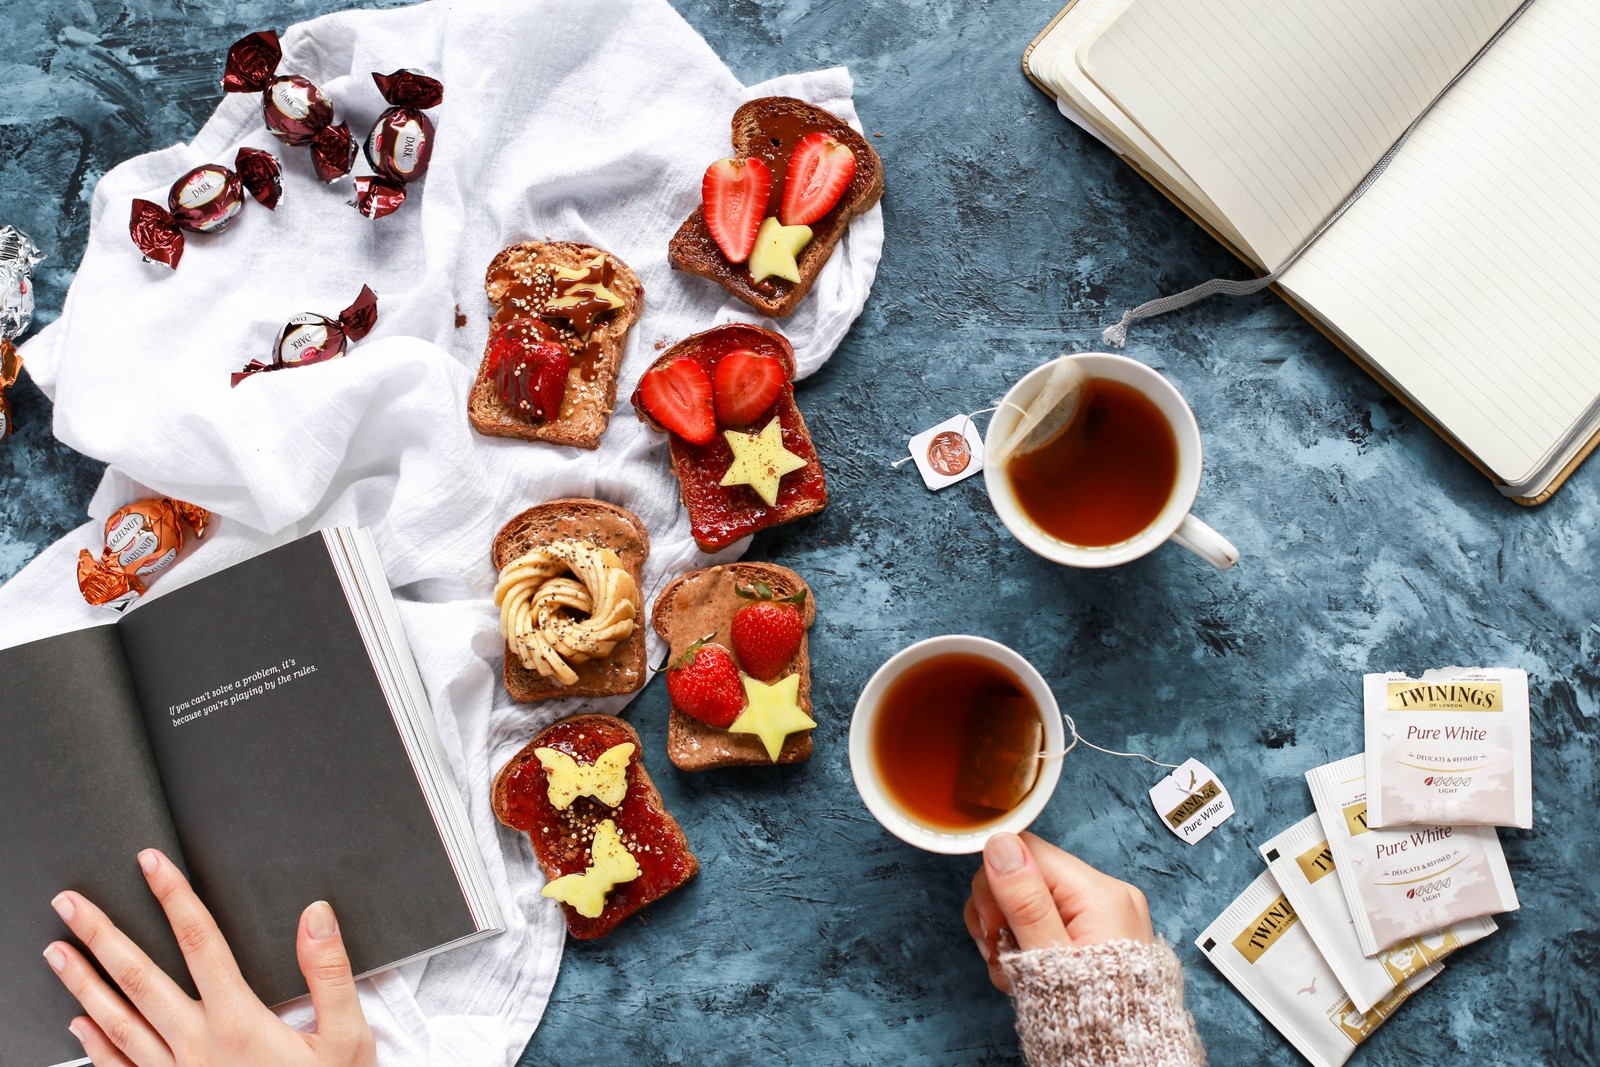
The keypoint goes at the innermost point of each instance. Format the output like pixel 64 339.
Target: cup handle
pixel 1206 543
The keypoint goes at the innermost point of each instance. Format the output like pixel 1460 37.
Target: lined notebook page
pixel 1278 108
pixel 1468 273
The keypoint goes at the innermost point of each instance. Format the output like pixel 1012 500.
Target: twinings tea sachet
pixel 1301 861
pixel 1262 947
pixel 1450 747
pixel 1407 880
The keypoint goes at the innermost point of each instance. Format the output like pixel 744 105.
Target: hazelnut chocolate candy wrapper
pixel 312 338
pixel 18 255
pixel 400 143
pixel 10 367
pixel 141 539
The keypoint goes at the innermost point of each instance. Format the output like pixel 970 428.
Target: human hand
pixel 1047 897
pixel 151 1022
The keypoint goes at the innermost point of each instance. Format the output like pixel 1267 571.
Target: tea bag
pixel 1263 949
pixel 1450 747
pixel 1302 863
pixel 1002 752
pixel 1409 880
pixel 1051 413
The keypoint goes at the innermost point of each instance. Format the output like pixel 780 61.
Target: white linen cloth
pixel 584 121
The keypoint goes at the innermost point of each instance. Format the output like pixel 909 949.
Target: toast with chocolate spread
pixel 577 298
pixel 608 527
pixel 769 129
pixel 701 606
pixel 560 799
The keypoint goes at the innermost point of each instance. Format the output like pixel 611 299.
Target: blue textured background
pixel 812 936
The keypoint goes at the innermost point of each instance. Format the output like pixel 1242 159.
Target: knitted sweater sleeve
pixel 1118 1004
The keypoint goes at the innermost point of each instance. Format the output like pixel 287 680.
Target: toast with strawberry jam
pixel 740 448
pixel 607 844
pixel 737 631
pixel 562 315
pixel 771 215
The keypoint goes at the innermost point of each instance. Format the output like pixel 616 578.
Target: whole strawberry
pixel 704 683
pixel 767 633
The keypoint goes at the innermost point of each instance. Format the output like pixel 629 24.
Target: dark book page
pixel 80 796
pixel 284 768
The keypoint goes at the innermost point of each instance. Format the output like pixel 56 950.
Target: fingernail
pixel 320 923
pixel 56 959
pixel 1004 853
pixel 64 907
pixel 76 1029
pixel 149 859
pixel 983 928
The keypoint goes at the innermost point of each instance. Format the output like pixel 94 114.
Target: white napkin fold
pixel 590 122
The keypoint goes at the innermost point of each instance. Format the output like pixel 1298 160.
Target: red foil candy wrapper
pixel 333 152
pixel 141 539
pixel 261 176
pixel 205 200
pixel 10 367
pixel 311 338
pixel 400 143
pixel 295 111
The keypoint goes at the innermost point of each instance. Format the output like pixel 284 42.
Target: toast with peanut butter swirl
pixel 569 601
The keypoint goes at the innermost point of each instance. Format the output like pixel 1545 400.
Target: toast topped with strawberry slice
pixel 562 315
pixel 606 842
pixel 740 448
pixel 739 666
pixel 771 214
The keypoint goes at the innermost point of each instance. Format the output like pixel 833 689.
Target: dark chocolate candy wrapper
pixel 207 199
pixel 377 197
pixel 261 176
pixel 409 88
pixel 400 145
pixel 252 61
pixel 333 152
pixel 295 110
pixel 312 338
pixel 156 233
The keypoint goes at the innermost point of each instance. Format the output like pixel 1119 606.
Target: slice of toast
pixel 518 284
pixel 702 604
pixel 608 526
pixel 720 515
pixel 561 837
pixel 768 128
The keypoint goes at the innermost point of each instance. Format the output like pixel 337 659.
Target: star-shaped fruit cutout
pixel 773 713
pixel 776 247
pixel 760 460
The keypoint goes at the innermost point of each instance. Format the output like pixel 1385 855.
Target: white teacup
pixel 1173 523
pixel 864 768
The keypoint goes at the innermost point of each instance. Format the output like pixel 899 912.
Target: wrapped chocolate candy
pixel 141 539
pixel 401 142
pixel 205 200
pixel 296 111
pixel 18 255
pixel 311 338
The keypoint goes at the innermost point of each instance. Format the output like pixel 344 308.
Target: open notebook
pixel 1465 277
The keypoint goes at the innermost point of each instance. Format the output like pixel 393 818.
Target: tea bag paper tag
pixel 948 452
pixel 1191 801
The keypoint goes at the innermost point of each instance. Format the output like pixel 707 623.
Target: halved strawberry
pixel 747 385
pixel 734 196
pixel 678 396
pixel 530 372
pixel 820 169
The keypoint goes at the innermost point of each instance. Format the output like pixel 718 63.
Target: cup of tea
pixel 1117 482
pixel 948 740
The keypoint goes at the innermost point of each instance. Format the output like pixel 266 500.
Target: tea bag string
pixel 1078 739
pixel 967 424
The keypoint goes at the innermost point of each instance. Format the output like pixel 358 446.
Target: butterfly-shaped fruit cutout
pixel 606 779
pixel 610 865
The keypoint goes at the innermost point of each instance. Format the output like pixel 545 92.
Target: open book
pixel 1464 277
pixel 266 728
